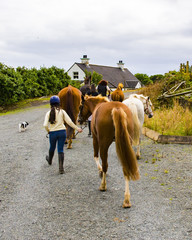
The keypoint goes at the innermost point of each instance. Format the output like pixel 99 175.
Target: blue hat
pixel 54 99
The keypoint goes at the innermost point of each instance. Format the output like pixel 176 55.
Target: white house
pixel 114 75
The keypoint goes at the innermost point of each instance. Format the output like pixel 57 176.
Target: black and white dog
pixel 22 126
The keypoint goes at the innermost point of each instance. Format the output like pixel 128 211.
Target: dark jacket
pixel 90 93
pixel 102 90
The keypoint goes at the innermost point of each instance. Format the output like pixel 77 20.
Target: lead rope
pixel 81 128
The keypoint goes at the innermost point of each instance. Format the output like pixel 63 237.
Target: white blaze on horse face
pixel 98 164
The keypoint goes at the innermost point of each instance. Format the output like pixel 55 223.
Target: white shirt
pixel 60 117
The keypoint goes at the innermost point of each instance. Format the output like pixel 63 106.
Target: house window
pixel 75 75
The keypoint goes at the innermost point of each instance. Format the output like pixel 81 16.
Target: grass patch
pixel 174 121
pixel 25 105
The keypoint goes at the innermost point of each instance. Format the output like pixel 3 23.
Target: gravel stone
pixel 36 202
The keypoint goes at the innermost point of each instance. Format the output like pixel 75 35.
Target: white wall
pixel 75 68
pixel 138 85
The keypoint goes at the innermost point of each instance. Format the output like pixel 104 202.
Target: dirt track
pixel 38 203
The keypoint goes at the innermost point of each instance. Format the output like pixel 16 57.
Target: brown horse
pixel 112 120
pixel 70 98
pixel 118 94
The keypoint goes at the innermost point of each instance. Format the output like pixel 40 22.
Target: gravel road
pixel 37 203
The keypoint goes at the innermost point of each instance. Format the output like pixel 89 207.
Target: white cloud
pixel 150 36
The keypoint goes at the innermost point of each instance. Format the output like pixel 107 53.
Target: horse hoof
pixel 102 189
pixel 69 147
pixel 138 157
pixel 126 205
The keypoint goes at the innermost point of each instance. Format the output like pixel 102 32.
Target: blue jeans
pixel 57 137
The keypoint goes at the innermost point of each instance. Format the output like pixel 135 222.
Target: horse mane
pixel 98 98
pixel 138 96
pixel 141 96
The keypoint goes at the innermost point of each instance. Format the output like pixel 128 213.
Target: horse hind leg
pixel 138 155
pixel 126 202
pixel 96 156
pixel 103 186
pixel 103 155
pixel 98 166
pixel 73 135
pixel 69 146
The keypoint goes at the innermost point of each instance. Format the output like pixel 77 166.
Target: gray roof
pixel 114 75
pixel 131 84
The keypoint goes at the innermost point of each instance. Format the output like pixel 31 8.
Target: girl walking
pixel 54 125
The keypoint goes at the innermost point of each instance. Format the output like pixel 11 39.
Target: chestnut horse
pixel 118 94
pixel 70 99
pixel 112 120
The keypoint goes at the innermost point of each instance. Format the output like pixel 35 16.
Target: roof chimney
pixel 85 60
pixel 120 64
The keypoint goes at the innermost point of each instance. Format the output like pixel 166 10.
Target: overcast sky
pixel 149 36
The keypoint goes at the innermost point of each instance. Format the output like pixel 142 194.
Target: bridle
pixel 147 108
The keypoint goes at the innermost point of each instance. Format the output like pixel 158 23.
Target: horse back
pixel 102 118
pixel 139 105
pixel 70 98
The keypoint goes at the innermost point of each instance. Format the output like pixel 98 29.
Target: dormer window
pixel 75 75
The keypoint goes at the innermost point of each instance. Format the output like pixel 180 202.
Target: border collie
pixel 22 126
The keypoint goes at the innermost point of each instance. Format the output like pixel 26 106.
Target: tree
pixel 95 77
pixel 143 78
pixel 157 77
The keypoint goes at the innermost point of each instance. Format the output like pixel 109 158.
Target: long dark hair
pixel 52 112
pixel 103 83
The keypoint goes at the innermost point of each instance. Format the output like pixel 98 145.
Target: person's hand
pixel 80 130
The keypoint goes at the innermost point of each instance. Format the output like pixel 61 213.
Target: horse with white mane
pixel 142 104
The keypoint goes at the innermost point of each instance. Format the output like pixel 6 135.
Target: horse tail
pixel 115 96
pixel 137 125
pixel 123 145
pixel 70 109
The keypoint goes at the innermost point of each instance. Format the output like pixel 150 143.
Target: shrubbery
pixel 22 83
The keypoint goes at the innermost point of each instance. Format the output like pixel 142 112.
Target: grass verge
pixel 25 105
pixel 174 121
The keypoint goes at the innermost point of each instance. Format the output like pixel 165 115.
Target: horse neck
pixel 140 97
pixel 92 103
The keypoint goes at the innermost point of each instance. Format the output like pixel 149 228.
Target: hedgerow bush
pixel 22 83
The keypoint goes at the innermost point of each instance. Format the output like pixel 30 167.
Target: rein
pixel 81 128
pixel 47 135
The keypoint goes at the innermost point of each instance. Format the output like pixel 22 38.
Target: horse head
pixel 146 103
pixel 148 107
pixel 120 86
pixel 84 111
pixel 88 105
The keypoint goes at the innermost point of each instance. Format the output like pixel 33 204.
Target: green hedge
pixel 22 83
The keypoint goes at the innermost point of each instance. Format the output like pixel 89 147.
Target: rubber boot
pixel 89 126
pixel 50 157
pixel 61 160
